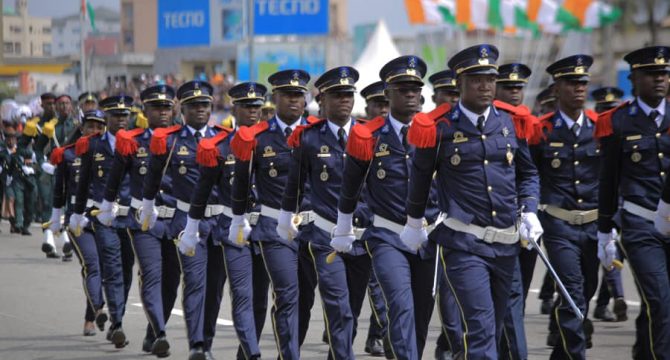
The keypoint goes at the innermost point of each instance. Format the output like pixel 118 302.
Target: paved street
pixel 42 307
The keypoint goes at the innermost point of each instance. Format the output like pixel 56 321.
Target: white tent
pixel 380 50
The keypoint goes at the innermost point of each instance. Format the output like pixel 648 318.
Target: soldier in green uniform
pixel 22 184
pixel 7 148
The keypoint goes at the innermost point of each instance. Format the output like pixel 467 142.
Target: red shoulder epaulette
pixel 604 123
pixel 294 140
pixel 208 150
pixel 592 115
pixel 81 146
pixel 243 143
pixel 361 121
pixel 537 134
pixel 423 131
pixel 158 145
pixel 524 121
pixel 57 154
pixel 126 144
pixel 222 128
pixel 361 142
pixel 313 119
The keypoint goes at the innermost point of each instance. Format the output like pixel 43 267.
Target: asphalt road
pixel 42 307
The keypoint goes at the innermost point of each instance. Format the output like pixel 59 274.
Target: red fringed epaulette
pixel 592 115
pixel 126 144
pixel 81 146
pixel 58 154
pixel 361 142
pixel 537 134
pixel 158 145
pixel 604 123
pixel 208 149
pixel 313 119
pixel 423 131
pixel 294 140
pixel 361 121
pixel 243 143
pixel 524 121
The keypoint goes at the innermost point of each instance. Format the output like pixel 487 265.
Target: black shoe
pixel 14 230
pixel 324 337
pixel 374 346
pixel 588 333
pixel 442 354
pixel 196 354
pixel 25 232
pixel 53 255
pixel 388 350
pixel 66 257
pixel 208 355
pixel 161 347
pixel 546 306
pixel 553 339
pixel 47 248
pixel 100 321
pixel 67 249
pixel 118 338
pixel 620 309
pixel 604 314
pixel 148 343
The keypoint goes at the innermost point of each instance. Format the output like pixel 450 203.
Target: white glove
pixel 9 180
pixel 414 234
pixel 28 170
pixel 107 213
pixel 55 222
pixel 285 227
pixel 239 230
pixel 662 218
pixel 190 238
pixel 148 214
pixel 48 168
pixel 343 234
pixel 607 250
pixel 77 223
pixel 530 228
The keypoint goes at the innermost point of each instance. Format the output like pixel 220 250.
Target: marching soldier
pixel 376 103
pixel 485 178
pixel 545 101
pixel 262 153
pixel 267 110
pixel 444 88
pixel 24 184
pixel 243 262
pixel 97 155
pixel 155 251
pixel 87 101
pixel 636 149
pixel 66 178
pixel 567 156
pixel 611 283
pixel 510 86
pixel 405 270
pixel 317 160
pixel 173 152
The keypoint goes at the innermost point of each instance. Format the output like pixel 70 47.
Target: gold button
pixel 658 135
pixel 494 213
pixel 406 156
pixel 489 188
pixel 660 155
pixel 486 162
pixel 555 153
pixel 575 146
pixel 576 182
pixel 662 173
pixel 344 155
pixel 355 220
pixel 580 201
pixel 253 186
pixel 576 163
pixel 483 137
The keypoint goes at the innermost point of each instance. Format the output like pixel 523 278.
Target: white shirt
pixel 397 126
pixel 283 125
pixel 647 110
pixel 112 140
pixel 335 128
pixel 202 131
pixel 472 116
pixel 569 122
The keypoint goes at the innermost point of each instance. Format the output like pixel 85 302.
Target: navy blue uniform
pixel 97 156
pixel 173 152
pixel 266 157
pixel 568 165
pixel 484 178
pixel 635 154
pixel 243 263
pixel 66 177
pixel 155 251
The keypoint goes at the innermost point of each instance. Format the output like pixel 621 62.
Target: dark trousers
pixel 216 278
pixel 194 276
pixel 378 322
pixel 87 252
pixel 127 259
pixel 513 341
pixel 307 285
pixel 109 249
pixel 611 285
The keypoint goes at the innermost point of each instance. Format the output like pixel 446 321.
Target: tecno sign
pixel 183 23
pixel 288 7
pixel 184 19
pixel 291 17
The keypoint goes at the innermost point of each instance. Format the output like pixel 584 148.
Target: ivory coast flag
pixel 544 13
pixel 587 14
pixel 431 11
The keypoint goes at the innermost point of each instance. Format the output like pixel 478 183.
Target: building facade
pixel 25 35
pixel 66 31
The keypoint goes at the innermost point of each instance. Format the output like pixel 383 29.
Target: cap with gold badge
pixel 195 91
pixel 339 79
pixel 408 68
pixel 575 67
pixel 248 93
pixel 87 97
pixel 650 59
pixel 289 81
pixel 94 115
pixel 118 104
pixel 374 92
pixel 513 75
pixel 158 95
pixel 445 79
pixel 478 59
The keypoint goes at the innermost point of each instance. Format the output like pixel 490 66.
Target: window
pixel 30 29
pixel 46 30
pixel 8 47
pixel 17 48
pixel 46 49
pixel 14 29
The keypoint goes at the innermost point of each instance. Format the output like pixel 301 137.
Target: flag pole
pixel 82 49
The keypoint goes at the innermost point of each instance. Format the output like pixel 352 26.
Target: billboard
pixel 272 57
pixel 290 17
pixel 227 21
pixel 183 23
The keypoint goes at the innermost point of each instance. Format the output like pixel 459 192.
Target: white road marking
pixel 178 312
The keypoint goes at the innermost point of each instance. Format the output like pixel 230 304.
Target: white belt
pixel 73 199
pixel 164 212
pixel 572 217
pixel 381 222
pixel 210 210
pixel 638 210
pixel 307 216
pixel 90 203
pixel 329 226
pixel 122 211
pixel 252 217
pixel 487 234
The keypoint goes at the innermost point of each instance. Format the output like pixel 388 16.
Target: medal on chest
pixel 272 172
pixel 324 174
